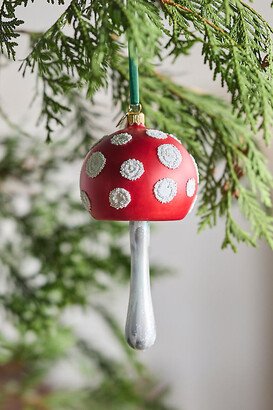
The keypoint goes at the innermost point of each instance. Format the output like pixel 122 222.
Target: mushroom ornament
pixel 139 174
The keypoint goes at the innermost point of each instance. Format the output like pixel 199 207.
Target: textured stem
pixel 140 325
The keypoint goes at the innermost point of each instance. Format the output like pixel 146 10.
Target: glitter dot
pixel 132 169
pixel 157 134
pixel 190 187
pixel 119 198
pixel 165 190
pixel 85 201
pixel 169 156
pixel 121 139
pixel 175 138
pixel 95 164
pixel 196 167
pixel 193 204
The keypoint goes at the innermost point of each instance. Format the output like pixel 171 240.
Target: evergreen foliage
pixel 237 45
pixel 49 262
pixel 64 251
pixel 84 51
pixel 117 384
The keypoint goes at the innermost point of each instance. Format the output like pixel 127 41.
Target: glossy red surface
pixel 143 205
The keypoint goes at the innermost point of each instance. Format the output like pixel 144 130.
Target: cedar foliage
pixel 85 51
pixel 49 262
pixel 237 46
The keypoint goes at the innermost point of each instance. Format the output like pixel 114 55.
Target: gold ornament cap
pixel 135 118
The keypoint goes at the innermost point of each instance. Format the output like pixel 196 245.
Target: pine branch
pixel 237 45
pixel 235 41
pixel 198 16
pixel 9 24
pixel 43 234
pixel 82 60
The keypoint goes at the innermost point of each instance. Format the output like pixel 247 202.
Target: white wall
pixel 215 312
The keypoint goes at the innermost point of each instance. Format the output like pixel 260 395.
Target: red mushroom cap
pixel 139 174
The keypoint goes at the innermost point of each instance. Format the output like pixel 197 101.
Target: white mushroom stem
pixel 140 325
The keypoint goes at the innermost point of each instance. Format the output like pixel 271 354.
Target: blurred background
pixel 214 309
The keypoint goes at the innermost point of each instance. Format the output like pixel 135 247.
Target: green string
pixel 133 76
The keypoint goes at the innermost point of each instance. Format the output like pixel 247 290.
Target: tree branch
pixel 187 10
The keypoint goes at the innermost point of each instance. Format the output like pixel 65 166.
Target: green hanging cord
pixel 133 78
pixel 134 114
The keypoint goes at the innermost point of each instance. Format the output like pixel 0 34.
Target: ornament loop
pixel 135 108
pixel 133 115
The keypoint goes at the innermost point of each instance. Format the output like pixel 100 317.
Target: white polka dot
pixel 119 198
pixel 190 187
pixel 196 167
pixel 157 134
pixel 85 201
pixel 132 169
pixel 192 205
pixel 95 164
pixel 121 139
pixel 169 156
pixel 175 138
pixel 165 190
